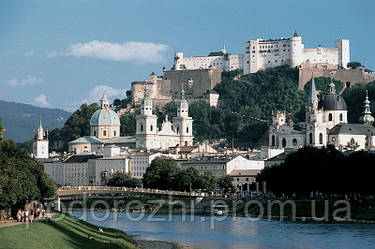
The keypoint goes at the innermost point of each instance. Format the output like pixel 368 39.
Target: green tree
pixel 1 130
pixel 120 179
pixel 208 181
pixel 161 174
pixel 22 178
pixel 128 124
pixel 354 64
pixel 188 180
pixel 322 85
pixel 77 125
pixel 226 183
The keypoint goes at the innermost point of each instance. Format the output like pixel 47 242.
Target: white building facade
pixel 260 54
pixel 180 132
pixel 40 144
pixel 326 123
pixel 218 60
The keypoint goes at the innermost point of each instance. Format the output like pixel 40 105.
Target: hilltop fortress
pixel 198 75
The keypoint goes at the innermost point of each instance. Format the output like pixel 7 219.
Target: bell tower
pixel 183 124
pixel 146 125
pixel 40 144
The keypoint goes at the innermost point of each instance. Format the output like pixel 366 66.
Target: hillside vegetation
pixel 245 107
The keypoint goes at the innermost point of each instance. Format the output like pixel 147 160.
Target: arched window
pixel 141 127
pixel 187 129
pixel 94 133
pixel 273 140
pixel 341 117
pixel 114 133
pixel 151 127
pixel 352 141
pixel 330 117
pixel 310 138
pixel 186 143
pixel 104 133
pixel 320 138
pixel 178 129
pixel 294 142
pixel 284 142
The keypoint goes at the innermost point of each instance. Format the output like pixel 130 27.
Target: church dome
pixel 104 117
pixel 332 102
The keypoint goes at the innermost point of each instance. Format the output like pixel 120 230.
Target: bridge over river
pixel 105 190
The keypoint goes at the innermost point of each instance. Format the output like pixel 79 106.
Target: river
pixel 239 234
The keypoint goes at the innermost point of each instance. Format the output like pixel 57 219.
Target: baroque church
pixel 177 133
pixel 105 129
pixel 326 123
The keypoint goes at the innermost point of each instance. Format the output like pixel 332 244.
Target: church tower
pixel 40 144
pixel 183 124
pixel 366 117
pixel 316 131
pixel 146 122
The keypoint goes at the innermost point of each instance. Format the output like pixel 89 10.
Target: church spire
pixel 40 130
pixel 366 117
pixel 146 103
pixel 183 106
pixel 332 88
pixel 104 103
pixel 313 96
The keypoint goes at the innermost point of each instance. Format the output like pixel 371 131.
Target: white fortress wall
pixel 321 55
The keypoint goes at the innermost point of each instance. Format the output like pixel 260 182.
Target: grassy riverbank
pixel 68 232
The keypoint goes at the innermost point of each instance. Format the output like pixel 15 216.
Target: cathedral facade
pixel 325 123
pixel 179 132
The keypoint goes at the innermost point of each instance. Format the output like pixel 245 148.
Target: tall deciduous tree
pixel 22 178
pixel 161 174
pixel 120 179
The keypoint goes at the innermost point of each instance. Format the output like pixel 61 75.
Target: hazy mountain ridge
pixel 20 120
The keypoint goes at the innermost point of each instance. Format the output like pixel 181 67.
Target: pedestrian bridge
pixel 104 190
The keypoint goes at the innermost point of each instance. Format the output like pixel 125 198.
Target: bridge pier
pixel 58 204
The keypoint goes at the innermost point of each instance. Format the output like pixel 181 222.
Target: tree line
pixel 324 170
pixel 164 174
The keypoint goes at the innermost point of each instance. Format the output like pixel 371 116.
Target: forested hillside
pixel 245 107
pixel 20 120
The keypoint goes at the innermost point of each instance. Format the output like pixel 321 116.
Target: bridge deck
pixel 81 190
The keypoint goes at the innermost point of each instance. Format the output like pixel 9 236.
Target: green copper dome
pixel 105 117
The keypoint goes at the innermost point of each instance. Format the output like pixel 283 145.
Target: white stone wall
pixel 112 165
pixel 226 62
pixel 260 54
pixel 139 162
pixel 241 163
pixel 55 171
pixel 345 139
pixel 321 55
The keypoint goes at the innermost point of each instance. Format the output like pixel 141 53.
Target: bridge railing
pixel 126 189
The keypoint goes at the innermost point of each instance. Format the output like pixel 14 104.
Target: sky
pixel 60 54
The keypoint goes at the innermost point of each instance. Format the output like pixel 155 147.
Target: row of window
pixel 105 133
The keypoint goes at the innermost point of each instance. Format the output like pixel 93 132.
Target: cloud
pixel 29 53
pixel 94 95
pixel 145 52
pixel 28 81
pixel 41 100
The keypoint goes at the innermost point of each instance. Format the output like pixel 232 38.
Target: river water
pixel 239 234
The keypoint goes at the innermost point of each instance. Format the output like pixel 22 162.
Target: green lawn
pixel 68 232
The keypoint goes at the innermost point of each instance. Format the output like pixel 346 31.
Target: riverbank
pixel 63 233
